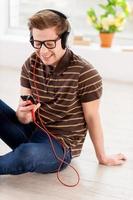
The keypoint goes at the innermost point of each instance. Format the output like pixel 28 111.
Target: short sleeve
pixel 90 84
pixel 24 79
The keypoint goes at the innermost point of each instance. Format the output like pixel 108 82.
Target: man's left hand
pixel 113 160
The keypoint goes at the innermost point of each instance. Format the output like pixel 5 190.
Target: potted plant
pixel 111 19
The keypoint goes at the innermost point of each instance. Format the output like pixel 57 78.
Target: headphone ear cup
pixel 64 37
pixel 31 36
pixel 31 39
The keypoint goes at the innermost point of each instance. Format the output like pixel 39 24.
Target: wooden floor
pixel 97 182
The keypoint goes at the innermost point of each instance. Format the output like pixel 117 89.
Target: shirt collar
pixel 63 63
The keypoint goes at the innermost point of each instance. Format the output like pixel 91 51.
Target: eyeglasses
pixel 49 44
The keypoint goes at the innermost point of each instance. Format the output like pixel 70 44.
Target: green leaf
pixel 103 6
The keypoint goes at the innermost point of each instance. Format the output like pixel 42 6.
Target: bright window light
pixel 21 10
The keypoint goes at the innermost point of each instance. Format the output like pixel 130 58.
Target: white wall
pixel 13 52
pixel 112 63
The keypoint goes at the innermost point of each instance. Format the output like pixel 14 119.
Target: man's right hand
pixel 24 111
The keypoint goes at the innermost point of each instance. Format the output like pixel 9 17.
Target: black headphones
pixel 64 35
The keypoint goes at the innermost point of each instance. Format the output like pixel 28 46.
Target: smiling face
pixel 48 56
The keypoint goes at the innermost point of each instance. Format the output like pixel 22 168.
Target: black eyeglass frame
pixel 44 43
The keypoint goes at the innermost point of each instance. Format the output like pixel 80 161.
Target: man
pixel 46 134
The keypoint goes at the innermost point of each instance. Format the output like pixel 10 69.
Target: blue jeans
pixel 31 149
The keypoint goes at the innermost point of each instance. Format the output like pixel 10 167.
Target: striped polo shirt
pixel 62 90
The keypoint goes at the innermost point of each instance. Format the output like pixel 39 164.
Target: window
pixel 3 16
pixel 20 10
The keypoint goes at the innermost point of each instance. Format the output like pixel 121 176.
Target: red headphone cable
pixel 49 134
pixel 57 157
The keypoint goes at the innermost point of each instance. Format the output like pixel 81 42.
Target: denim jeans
pixel 31 148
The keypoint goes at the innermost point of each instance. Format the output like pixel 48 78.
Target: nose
pixel 43 49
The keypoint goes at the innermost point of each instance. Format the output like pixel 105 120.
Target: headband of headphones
pixel 54 11
pixel 64 35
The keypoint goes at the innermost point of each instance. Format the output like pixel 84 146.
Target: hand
pixel 24 111
pixel 113 160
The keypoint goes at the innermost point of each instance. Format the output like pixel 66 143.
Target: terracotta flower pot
pixel 106 39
